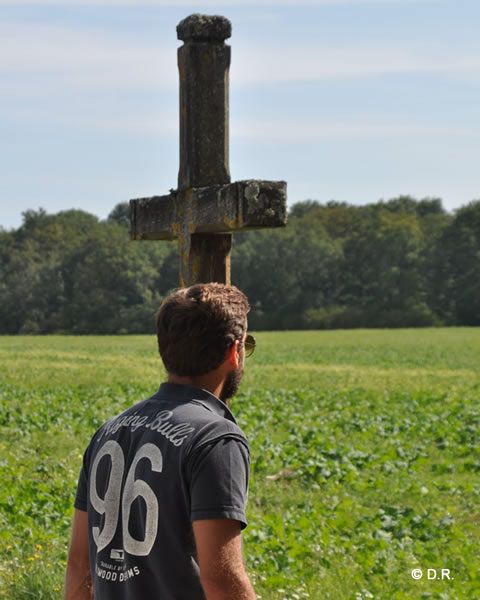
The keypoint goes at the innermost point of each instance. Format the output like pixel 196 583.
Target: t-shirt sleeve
pixel 82 487
pixel 219 481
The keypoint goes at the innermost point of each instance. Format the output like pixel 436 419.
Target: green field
pixel 364 446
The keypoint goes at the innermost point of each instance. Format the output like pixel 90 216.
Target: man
pixel 161 496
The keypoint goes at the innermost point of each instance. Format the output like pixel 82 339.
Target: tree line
pixel 396 263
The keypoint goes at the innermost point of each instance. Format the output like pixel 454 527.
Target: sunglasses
pixel 249 344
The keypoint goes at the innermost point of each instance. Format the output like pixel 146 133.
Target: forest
pixel 401 262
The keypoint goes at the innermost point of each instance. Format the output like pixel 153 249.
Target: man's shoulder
pixel 210 416
pixel 213 426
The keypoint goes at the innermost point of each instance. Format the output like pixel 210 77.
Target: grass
pixel 364 444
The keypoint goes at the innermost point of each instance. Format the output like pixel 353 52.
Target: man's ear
pixel 232 355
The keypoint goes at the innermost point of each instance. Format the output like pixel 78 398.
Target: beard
pixel 231 385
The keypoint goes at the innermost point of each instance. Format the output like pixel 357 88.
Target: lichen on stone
pixel 199 27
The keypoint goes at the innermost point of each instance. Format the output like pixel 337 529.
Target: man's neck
pixel 206 382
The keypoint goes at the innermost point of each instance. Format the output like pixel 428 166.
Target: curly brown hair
pixel 197 325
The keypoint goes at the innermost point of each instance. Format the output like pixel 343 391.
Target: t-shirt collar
pixel 184 391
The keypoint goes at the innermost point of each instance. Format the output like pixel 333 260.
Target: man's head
pixel 198 327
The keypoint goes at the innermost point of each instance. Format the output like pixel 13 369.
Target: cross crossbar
pixel 242 205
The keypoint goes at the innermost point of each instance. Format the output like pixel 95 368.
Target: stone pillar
pixel 203 63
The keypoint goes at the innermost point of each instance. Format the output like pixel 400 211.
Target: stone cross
pixel 206 207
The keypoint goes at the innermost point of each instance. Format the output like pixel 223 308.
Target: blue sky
pixel 352 100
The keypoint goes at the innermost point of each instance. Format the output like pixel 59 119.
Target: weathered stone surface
pixel 243 205
pixel 199 27
pixel 204 135
pixel 206 259
pixel 264 202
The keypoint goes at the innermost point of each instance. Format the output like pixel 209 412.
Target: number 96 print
pixel 110 504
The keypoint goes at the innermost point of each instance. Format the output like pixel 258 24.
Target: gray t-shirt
pixel 147 474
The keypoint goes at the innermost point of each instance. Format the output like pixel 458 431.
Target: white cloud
pixel 47 60
pixel 291 130
pixel 359 127
pixel 206 3
pixel 285 130
pixel 98 119
pixel 315 63
pixel 85 58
